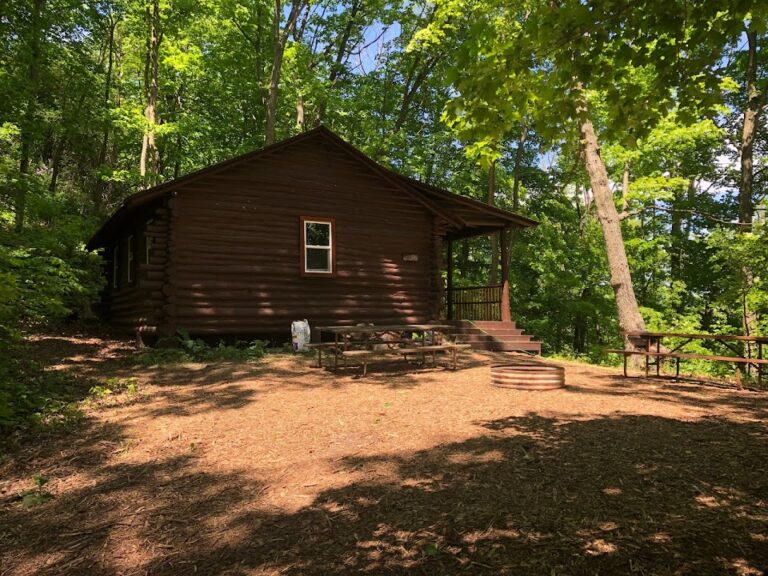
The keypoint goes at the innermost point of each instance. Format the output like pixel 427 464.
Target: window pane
pixel 318 260
pixel 318 234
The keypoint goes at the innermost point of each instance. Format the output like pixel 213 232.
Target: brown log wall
pixel 139 304
pixel 234 265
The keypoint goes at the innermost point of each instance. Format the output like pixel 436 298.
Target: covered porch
pixel 459 218
pixel 479 313
pixel 488 302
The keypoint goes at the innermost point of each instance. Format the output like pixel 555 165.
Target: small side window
pixel 318 249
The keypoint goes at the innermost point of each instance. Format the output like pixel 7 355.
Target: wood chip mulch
pixel 281 468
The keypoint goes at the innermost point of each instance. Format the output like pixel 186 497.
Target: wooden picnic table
pixel 344 339
pixel 652 349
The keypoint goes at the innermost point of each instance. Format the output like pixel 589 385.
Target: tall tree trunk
pixel 279 40
pixel 630 319
pixel 342 51
pixel 300 113
pixel 493 277
pixel 97 192
pixel 28 125
pixel 677 233
pixel 463 263
pixel 58 153
pixel 343 48
pixel 749 129
pixel 518 167
pixel 580 325
pixel 417 74
pixel 625 187
pixel 755 102
pixel 149 161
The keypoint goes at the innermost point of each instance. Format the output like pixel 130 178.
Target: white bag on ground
pixel 300 335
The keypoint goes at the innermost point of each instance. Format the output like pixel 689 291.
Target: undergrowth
pixel 31 396
pixel 183 348
pixel 34 398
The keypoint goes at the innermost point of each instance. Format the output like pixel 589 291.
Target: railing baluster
pixel 476 303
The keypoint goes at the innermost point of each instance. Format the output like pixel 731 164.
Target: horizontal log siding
pixel 236 248
pixel 139 305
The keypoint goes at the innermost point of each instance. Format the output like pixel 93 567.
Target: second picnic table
pixel 653 340
pixel 349 339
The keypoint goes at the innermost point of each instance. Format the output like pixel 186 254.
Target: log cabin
pixel 307 228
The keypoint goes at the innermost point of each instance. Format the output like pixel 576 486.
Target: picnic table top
pixel 371 329
pixel 722 337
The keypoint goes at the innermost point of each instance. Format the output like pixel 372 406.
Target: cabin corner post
pixel 506 313
pixel 449 281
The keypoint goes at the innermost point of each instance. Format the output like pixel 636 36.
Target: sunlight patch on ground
pixel 742 567
pixel 467 458
pixel 661 538
pixel 599 547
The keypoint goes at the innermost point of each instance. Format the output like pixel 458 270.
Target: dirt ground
pixel 278 467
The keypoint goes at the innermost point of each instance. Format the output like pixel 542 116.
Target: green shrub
pixel 183 348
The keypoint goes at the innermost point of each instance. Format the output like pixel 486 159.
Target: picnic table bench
pixel 653 353
pixel 367 342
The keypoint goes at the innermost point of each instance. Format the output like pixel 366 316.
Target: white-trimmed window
pixel 115 266
pixel 318 254
pixel 130 259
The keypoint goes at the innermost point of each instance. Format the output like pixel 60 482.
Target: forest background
pixel 636 135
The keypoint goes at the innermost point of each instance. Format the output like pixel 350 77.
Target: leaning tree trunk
pixel 630 319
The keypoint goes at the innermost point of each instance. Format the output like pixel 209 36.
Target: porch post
pixel 449 282
pixel 506 315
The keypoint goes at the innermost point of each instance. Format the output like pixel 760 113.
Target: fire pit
pixel 527 376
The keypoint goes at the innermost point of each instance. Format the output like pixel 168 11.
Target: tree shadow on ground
pixel 528 495
pixel 746 402
pixel 86 352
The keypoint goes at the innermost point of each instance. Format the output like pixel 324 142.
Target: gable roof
pixel 464 216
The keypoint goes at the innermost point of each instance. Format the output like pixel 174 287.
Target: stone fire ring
pixel 528 376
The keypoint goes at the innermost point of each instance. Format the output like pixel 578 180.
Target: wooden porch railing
pixel 474 303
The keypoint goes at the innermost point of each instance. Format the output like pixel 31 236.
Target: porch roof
pixel 476 218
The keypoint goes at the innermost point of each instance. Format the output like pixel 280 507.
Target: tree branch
pixel 626 214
